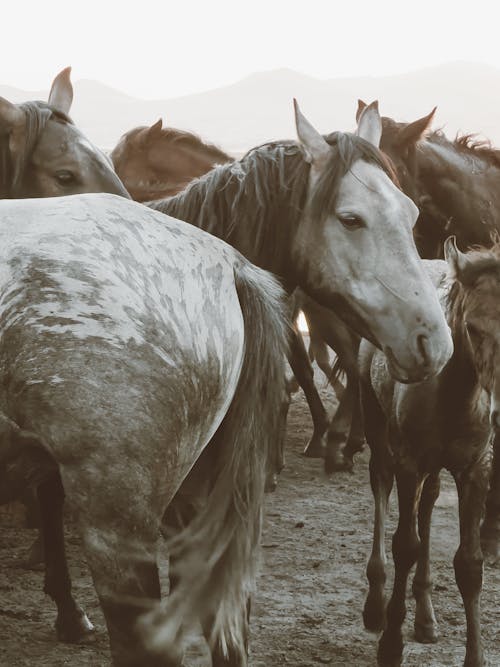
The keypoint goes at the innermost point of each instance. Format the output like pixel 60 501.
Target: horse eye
pixel 350 221
pixel 65 177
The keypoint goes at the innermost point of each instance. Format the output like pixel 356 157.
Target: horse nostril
pixel 422 347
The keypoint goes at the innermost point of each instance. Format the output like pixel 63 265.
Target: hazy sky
pixel 165 48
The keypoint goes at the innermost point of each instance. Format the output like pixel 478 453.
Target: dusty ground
pixel 311 591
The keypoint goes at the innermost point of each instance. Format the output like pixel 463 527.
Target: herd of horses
pixel 143 358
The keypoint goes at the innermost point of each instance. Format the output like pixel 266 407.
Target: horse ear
pixel 154 131
pixel 361 107
pixel 314 145
pixel 61 92
pixel 370 124
pixel 457 260
pixel 414 132
pixel 12 123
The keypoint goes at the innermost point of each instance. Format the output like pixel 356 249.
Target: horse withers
pixel 131 343
pixel 414 431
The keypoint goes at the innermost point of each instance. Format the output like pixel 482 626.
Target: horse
pixel 415 431
pixel 268 188
pixel 43 154
pixel 157 162
pixel 131 343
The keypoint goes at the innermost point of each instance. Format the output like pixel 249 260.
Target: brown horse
pixel 415 431
pixel 156 162
pixel 43 154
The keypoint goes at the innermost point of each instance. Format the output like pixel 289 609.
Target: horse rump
pixel 214 559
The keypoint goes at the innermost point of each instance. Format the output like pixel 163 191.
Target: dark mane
pixel 255 202
pixel 471 143
pixel 468 144
pixel 12 169
pixel 480 262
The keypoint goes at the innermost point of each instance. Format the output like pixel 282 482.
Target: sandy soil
pixel 311 590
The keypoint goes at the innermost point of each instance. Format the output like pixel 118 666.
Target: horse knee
pixel 468 572
pixel 405 550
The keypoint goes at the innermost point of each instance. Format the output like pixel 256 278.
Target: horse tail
pixel 215 558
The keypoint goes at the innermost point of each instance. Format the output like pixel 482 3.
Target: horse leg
pixel 302 369
pixel 356 439
pixel 318 350
pixel 425 619
pixel 472 486
pixel 405 548
pixel 490 530
pixel 342 429
pixel 72 624
pixel 339 426
pixel 381 480
pixel 125 573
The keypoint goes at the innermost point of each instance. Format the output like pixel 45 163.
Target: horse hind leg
pixel 302 369
pixel 472 487
pixel 425 619
pixel 490 530
pixel 72 624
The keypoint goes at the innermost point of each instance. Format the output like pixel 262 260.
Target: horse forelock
pixel 347 148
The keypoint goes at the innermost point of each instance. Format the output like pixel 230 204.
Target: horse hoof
pixel 390 651
pixel 338 463
pixel 426 634
pixel 315 448
pixel 74 628
pixel 373 618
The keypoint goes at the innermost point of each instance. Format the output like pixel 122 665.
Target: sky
pixel 164 48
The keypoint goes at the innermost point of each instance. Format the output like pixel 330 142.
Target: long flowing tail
pixel 214 559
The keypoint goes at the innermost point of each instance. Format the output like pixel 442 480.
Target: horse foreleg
pixel 302 369
pixel 405 548
pixel 472 487
pixel 381 480
pixel 425 619
pixel 356 440
pixel 490 530
pixel 72 624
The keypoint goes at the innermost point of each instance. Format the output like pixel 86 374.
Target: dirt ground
pixel 311 590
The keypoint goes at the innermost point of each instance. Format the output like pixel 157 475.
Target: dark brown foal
pixel 416 430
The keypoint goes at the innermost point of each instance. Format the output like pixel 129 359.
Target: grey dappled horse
pixel 129 343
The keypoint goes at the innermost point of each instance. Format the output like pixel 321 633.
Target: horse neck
pixel 461 379
pixel 231 204
pixel 457 193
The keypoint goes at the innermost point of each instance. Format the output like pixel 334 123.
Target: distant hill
pixel 259 107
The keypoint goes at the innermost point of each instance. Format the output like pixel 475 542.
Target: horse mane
pixel 186 139
pixel 253 203
pixel 481 261
pixel 13 167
